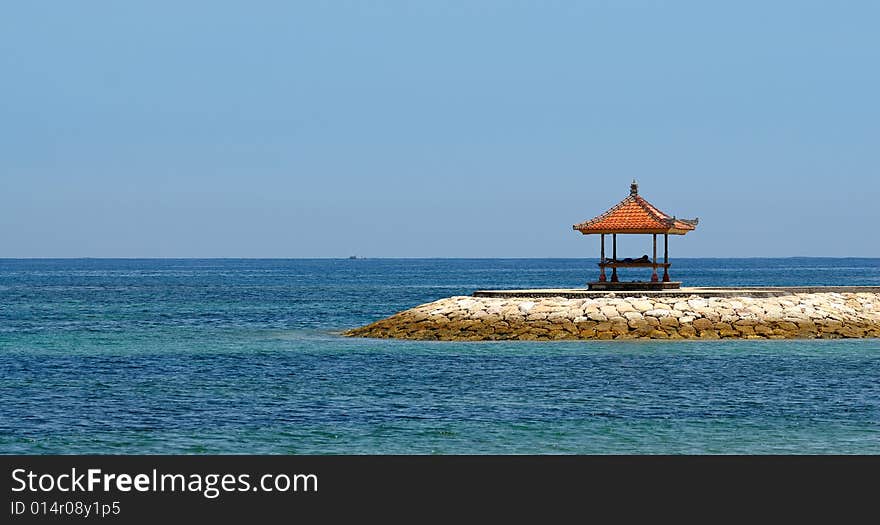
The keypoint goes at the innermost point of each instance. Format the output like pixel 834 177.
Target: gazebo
pixel 635 215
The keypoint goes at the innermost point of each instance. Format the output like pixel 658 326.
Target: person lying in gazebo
pixel 642 259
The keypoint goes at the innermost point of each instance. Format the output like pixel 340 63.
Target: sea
pixel 246 356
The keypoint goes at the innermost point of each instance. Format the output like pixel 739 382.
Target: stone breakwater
pixel 801 315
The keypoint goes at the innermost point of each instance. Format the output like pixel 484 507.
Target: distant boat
pixel 356 257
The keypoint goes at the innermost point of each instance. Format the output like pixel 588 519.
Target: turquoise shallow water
pixel 244 356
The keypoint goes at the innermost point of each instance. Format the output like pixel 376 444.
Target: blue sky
pixel 435 129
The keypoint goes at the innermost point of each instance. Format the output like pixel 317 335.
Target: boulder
pixel 643 305
pixel 595 316
pixel 702 324
pixel 806 315
pixel 669 321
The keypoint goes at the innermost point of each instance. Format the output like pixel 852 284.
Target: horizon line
pixel 359 258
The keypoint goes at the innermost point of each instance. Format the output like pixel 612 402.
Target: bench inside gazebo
pixel 635 215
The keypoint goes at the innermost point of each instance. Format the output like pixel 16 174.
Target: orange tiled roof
pixel 636 215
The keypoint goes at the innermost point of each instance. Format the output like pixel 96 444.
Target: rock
pixel 585 325
pixel 806 326
pixel 687 331
pixel 851 331
pixel 609 311
pixel 619 328
pixel 712 315
pixel 669 321
pixel 526 307
pixel 597 317
pixel 745 329
pixel 437 317
pixel 670 330
pixel 762 329
pixel 697 303
pixel 633 315
pixel 807 315
pixel 643 305
pixel 787 326
pixel 640 326
pixel 624 307
pixel 702 324
pixel 586 332
pixel 754 309
pixel 708 334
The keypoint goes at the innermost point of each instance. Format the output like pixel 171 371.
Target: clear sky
pixel 435 129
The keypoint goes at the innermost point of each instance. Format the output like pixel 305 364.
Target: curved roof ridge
pixel 607 213
pixel 650 208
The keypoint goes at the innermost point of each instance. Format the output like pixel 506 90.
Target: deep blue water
pixel 244 356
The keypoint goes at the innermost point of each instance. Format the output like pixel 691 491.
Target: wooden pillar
pixel 614 256
pixel 654 268
pixel 602 277
pixel 666 257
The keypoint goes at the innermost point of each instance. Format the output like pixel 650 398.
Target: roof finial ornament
pixel 634 188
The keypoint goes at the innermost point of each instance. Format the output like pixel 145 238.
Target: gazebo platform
pixel 701 291
pixel 633 285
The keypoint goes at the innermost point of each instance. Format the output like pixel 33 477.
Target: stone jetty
pixel 784 315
